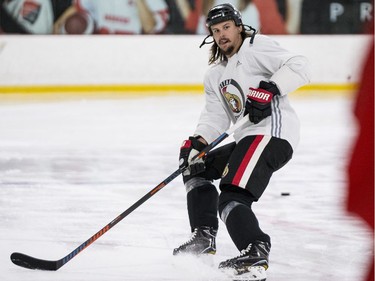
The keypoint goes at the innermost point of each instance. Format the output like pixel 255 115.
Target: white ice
pixel 68 167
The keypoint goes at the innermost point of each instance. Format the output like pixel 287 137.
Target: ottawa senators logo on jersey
pixel 233 101
pixel 233 94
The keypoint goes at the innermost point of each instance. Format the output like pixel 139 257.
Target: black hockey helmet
pixel 222 13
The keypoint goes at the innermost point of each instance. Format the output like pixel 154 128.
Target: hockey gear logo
pixel 260 95
pixel 226 171
pixel 233 95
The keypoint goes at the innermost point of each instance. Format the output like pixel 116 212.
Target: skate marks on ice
pixel 205 268
pixel 190 267
pixel 68 168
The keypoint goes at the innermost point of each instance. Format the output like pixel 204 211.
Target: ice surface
pixel 68 167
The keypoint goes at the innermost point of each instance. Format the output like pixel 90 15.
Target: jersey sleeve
pixel 213 120
pixel 289 71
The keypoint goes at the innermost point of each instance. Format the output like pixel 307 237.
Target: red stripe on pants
pixel 245 161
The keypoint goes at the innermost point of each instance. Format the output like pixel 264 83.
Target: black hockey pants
pixel 245 170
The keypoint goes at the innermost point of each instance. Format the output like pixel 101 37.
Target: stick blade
pixel 34 263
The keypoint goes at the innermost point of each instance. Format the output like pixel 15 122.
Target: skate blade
pixel 253 273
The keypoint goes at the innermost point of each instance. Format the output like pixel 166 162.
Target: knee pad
pixel 196 182
pixel 232 197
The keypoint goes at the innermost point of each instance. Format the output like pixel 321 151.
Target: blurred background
pixel 90 123
pixel 332 34
pixel 181 16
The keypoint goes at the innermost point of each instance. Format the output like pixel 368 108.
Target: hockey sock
pixel 240 220
pixel 202 202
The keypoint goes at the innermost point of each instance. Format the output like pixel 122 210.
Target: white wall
pixel 77 60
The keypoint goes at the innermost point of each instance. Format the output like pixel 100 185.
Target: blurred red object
pixel 361 166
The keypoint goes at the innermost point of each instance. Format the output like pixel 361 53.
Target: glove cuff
pixel 270 87
pixel 196 144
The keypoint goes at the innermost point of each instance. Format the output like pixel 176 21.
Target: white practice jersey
pixel 227 86
pixel 122 16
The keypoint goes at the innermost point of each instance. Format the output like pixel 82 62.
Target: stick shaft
pixel 34 263
pixel 151 193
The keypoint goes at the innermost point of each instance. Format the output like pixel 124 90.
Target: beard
pixel 228 51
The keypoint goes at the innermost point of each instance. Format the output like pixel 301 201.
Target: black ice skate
pixel 202 241
pixel 251 264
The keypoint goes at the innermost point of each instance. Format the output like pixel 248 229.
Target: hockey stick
pixel 53 265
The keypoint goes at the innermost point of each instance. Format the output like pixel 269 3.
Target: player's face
pixel 227 36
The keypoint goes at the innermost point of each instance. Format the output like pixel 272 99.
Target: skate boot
pixel 202 241
pixel 251 264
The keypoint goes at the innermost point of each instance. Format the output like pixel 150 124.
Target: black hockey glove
pixel 189 149
pixel 258 102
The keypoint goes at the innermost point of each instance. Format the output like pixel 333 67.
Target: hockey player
pixel 250 77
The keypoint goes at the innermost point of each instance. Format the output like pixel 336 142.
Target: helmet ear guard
pixel 205 41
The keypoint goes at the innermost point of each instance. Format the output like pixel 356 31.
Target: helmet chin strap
pixel 246 27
